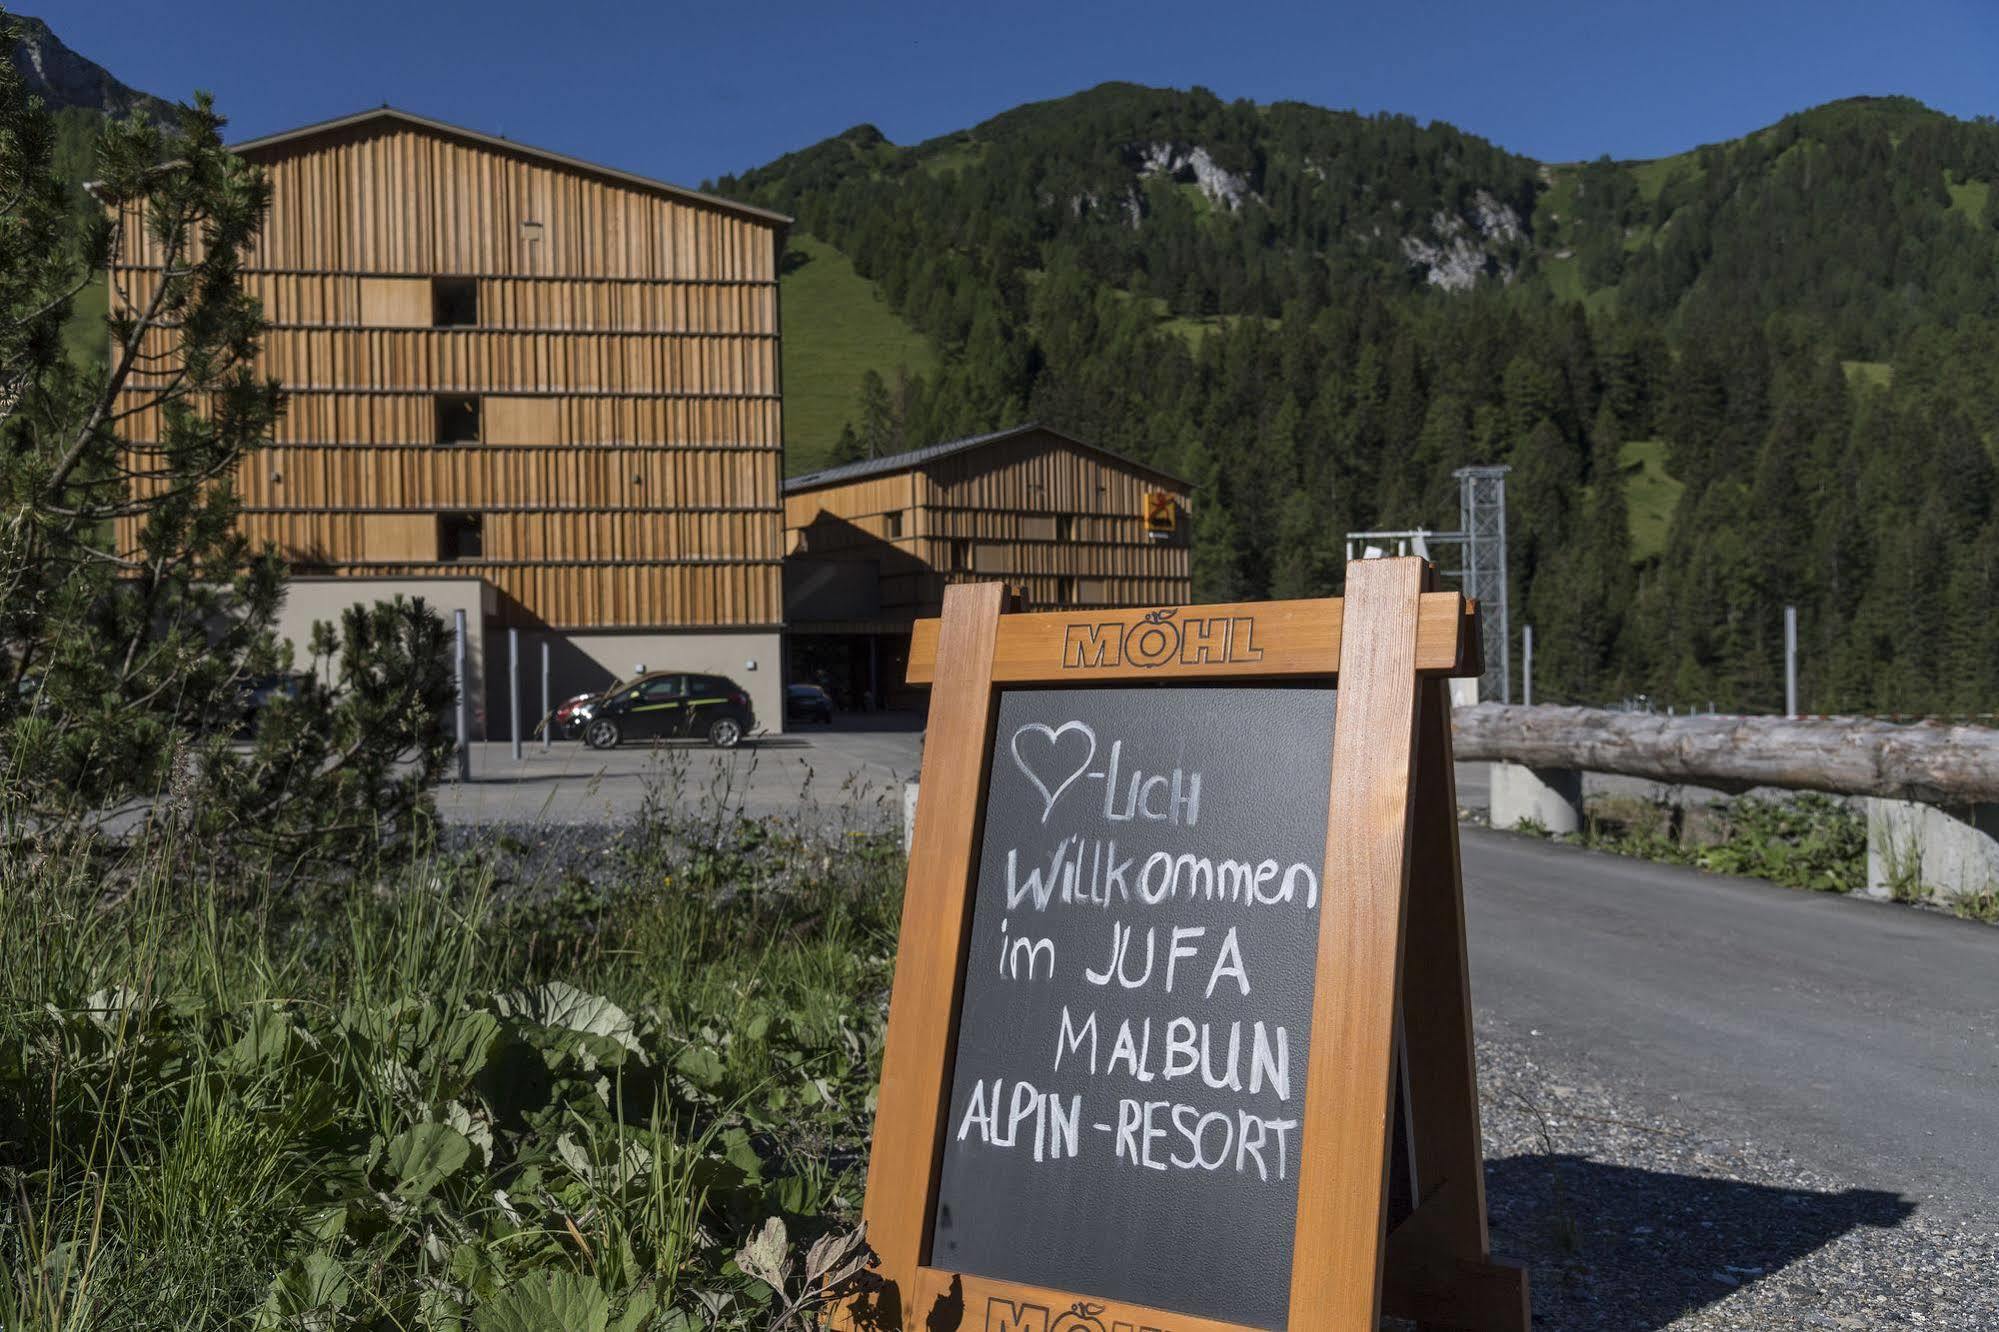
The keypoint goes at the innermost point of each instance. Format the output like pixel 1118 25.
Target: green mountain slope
pixel 1317 315
pixel 836 329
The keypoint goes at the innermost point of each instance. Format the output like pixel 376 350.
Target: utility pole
pixel 547 711
pixel 1527 665
pixel 1482 507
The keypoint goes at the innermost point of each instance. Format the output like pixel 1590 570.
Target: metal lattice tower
pixel 1482 508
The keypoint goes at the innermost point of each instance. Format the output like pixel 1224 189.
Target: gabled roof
pixel 394 116
pixel 929 453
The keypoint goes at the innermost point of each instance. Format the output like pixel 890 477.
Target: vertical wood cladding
pixel 1064 522
pixel 609 345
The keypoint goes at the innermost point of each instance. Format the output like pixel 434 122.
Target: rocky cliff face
pixel 1458 253
pixel 62 78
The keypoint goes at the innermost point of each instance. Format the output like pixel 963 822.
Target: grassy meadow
pixel 1650 496
pixel 837 327
pixel 498 1089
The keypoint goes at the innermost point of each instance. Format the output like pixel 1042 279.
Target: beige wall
pixel 579 661
pixel 714 652
pixel 311 599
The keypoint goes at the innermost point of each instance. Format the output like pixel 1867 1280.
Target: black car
pixel 671 705
pixel 808 702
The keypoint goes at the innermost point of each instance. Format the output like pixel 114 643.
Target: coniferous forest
pixel 1757 373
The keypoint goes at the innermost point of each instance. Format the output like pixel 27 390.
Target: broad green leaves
pixel 423 1157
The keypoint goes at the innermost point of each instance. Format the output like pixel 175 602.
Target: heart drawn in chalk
pixel 1047 746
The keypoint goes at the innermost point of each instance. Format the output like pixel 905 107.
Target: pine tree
pixel 881 428
pixel 122 666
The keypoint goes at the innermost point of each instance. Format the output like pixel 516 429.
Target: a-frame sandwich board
pixel 1390 971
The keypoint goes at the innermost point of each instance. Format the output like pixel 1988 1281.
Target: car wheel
pixel 602 734
pixel 726 733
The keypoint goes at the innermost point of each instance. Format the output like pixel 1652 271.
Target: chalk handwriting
pixel 1044 744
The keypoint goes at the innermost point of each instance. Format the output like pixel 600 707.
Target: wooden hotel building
pixel 873 544
pixel 529 386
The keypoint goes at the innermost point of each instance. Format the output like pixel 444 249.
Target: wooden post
pixel 936 911
pixel 1343 1158
pixel 1391 843
pixel 1438 1268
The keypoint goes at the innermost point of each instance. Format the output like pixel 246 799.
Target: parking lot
pixel 857 765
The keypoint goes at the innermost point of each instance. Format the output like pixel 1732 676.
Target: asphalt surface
pixel 860 763
pixel 1858 1037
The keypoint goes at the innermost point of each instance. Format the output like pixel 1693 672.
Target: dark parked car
pixel 670 705
pixel 808 702
pixel 570 716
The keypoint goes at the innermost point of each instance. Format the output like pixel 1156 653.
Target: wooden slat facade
pixel 1060 520
pixel 622 365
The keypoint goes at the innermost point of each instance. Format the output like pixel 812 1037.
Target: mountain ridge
pixel 65 80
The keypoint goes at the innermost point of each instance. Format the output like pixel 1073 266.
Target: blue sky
pixel 688 92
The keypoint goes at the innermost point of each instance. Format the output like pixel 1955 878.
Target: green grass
pixel 1653 175
pixel 1565 277
pixel 1806 841
pixel 1650 496
pixel 962 153
pixel 412 1098
pixel 84 334
pixel 1555 209
pixel 1873 374
pixel 1970 198
pixel 836 328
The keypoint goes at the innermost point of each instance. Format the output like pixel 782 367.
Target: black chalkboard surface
pixel 1129 1078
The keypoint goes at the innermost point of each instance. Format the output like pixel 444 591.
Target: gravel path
pixel 1631 1220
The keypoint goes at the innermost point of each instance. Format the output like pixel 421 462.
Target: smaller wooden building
pixel 870 546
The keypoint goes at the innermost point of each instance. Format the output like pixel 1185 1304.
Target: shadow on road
pixel 1620 1247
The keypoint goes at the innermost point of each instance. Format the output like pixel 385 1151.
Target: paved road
pixel 857 765
pixel 1857 1036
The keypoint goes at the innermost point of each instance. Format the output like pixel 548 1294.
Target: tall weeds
pixel 445 1095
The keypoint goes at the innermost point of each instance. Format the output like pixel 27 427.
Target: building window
pixel 892 525
pixel 457 419
pixel 460 536
pixel 1065 591
pixel 1065 527
pixel 454 302
pixel 961 556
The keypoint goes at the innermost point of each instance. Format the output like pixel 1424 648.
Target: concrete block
pixel 1551 797
pixel 908 815
pixel 1918 850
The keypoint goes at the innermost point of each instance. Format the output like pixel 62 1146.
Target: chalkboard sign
pixel 1180 1037
pixel 1132 1041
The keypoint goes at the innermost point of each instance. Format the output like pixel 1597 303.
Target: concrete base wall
pixel 593 659
pixel 309 599
pixel 1551 797
pixel 1931 851
pixel 579 661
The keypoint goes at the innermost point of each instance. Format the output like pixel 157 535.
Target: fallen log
pixel 1935 764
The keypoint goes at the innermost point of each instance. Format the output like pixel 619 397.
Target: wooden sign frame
pixel 1391 940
